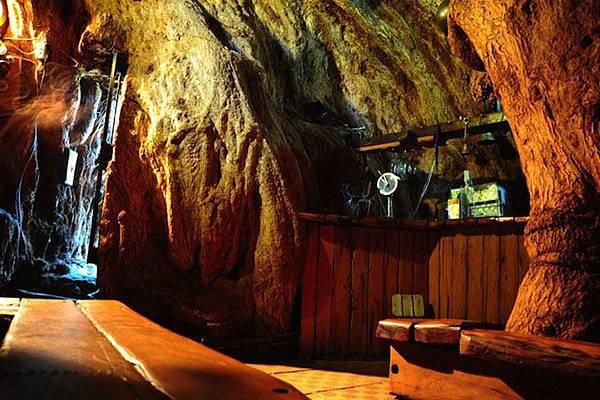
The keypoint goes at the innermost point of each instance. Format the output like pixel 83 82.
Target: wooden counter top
pixel 385 222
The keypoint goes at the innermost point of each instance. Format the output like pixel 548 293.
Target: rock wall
pixel 234 120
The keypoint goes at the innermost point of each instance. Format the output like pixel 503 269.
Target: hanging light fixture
pixel 466 149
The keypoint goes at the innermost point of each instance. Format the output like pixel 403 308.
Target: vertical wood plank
pixel 491 272
pixel 421 269
pixel 446 274
pixel 375 290
pixel 392 269
pixel 342 288
pixel 327 251
pixel 309 293
pixel 358 316
pixel 434 272
pixel 458 290
pixel 407 255
pixel 475 290
pixel 509 270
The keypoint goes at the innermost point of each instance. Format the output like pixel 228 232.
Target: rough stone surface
pixel 543 59
pixel 236 117
pixel 234 120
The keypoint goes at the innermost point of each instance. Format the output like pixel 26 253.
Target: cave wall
pixel 234 120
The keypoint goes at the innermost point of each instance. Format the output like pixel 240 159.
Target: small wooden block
pixel 398 330
pixel 444 331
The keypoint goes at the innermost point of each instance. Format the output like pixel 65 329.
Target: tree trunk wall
pixel 543 57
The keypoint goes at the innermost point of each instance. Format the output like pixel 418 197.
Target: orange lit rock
pixel 543 57
pixel 234 121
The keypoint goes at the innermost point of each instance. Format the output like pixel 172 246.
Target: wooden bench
pixel 457 359
pixel 104 350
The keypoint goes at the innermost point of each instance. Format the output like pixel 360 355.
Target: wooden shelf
pixel 453 129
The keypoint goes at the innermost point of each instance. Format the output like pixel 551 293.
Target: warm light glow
pixel 39 48
pixel 20 41
pixel 3 16
pixel 16 18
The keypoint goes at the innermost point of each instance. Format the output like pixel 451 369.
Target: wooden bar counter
pixel 464 269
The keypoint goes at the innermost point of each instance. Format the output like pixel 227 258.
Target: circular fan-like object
pixel 387 184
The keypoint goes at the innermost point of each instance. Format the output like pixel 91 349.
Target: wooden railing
pixel 465 269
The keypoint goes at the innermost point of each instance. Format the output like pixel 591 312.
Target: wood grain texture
pixel 436 373
pixel 180 367
pixel 342 289
pixel 444 331
pixel 446 270
pixel 543 63
pixel 407 260
pixel 569 356
pixel 364 276
pixel 491 276
pixel 375 289
pixel 424 372
pixel 327 250
pixel 435 247
pixel 360 264
pixel 460 283
pixel 53 351
pixel 475 290
pixel 309 294
pixel 421 267
pixel 392 276
pixel 396 329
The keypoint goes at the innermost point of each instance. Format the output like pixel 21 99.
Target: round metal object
pixel 387 183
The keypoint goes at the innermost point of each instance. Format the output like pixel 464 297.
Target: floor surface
pixel 352 380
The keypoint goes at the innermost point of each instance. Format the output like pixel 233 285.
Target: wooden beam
pixel 180 367
pixel 453 129
pixel 568 356
pixel 53 351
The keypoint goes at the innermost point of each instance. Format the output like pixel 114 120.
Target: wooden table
pixel 103 350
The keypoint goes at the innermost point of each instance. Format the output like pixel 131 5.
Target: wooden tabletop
pixel 103 350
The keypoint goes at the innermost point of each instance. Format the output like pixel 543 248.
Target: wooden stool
pixel 452 359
